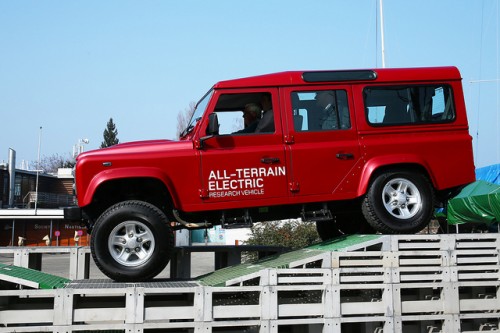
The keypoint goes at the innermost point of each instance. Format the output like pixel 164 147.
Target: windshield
pixel 198 112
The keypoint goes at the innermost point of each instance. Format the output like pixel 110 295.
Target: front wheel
pixel 132 241
pixel 399 202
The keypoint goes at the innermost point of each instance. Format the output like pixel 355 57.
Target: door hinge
pixel 289 139
pixel 294 187
pixel 203 193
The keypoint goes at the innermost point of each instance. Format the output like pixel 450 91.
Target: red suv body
pixel 353 150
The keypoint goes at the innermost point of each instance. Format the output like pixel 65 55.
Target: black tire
pixel 344 223
pixel 327 230
pixel 399 202
pixel 132 241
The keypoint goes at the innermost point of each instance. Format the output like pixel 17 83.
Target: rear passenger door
pixel 321 142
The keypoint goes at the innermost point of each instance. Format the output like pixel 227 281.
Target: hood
pixel 140 143
pixel 139 147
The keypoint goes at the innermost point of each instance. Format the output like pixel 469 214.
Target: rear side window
pixel 404 105
pixel 320 110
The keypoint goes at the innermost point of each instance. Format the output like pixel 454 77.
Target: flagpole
pixel 38 168
pixel 382 42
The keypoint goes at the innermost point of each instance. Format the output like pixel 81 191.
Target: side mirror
pixel 213 124
pixel 212 129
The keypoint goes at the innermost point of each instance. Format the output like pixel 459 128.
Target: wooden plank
pixel 169 312
pixel 362 308
pixel 236 311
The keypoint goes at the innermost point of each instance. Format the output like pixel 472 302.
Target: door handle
pixel 343 156
pixel 270 160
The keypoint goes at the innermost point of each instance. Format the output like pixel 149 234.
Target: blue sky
pixel 69 66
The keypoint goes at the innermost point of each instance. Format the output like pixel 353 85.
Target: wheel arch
pixel 147 184
pixel 376 167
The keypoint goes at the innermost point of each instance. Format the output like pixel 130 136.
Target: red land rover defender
pixel 355 151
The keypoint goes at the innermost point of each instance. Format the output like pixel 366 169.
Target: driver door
pixel 243 167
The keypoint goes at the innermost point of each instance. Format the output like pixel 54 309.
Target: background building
pixel 23 225
pixel 54 191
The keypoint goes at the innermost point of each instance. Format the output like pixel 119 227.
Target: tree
pixel 110 135
pixel 183 118
pixel 50 164
pixel 291 233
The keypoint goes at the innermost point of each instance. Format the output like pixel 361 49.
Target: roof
pixel 382 75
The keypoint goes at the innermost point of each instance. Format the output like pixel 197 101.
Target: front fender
pixel 400 161
pixel 124 173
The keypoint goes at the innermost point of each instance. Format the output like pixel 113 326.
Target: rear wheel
pixel 399 202
pixel 327 230
pixel 344 223
pixel 132 241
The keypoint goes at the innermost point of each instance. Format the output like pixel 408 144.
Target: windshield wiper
pixel 187 130
pixel 190 127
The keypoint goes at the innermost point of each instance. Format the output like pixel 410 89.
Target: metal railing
pixel 48 199
pixel 413 283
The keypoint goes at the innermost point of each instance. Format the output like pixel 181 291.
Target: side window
pixel 406 105
pixel 320 110
pixel 230 121
pixel 245 113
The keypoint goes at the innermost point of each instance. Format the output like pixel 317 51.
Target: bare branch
pixel 183 118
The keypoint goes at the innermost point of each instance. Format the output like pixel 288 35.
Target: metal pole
pixel 12 177
pixel 13 231
pixel 382 42
pixel 50 233
pixel 38 168
pixel 480 81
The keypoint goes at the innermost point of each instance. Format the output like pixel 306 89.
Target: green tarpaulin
pixel 478 202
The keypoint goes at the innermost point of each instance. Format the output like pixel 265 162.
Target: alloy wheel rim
pixel 401 198
pixel 131 243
